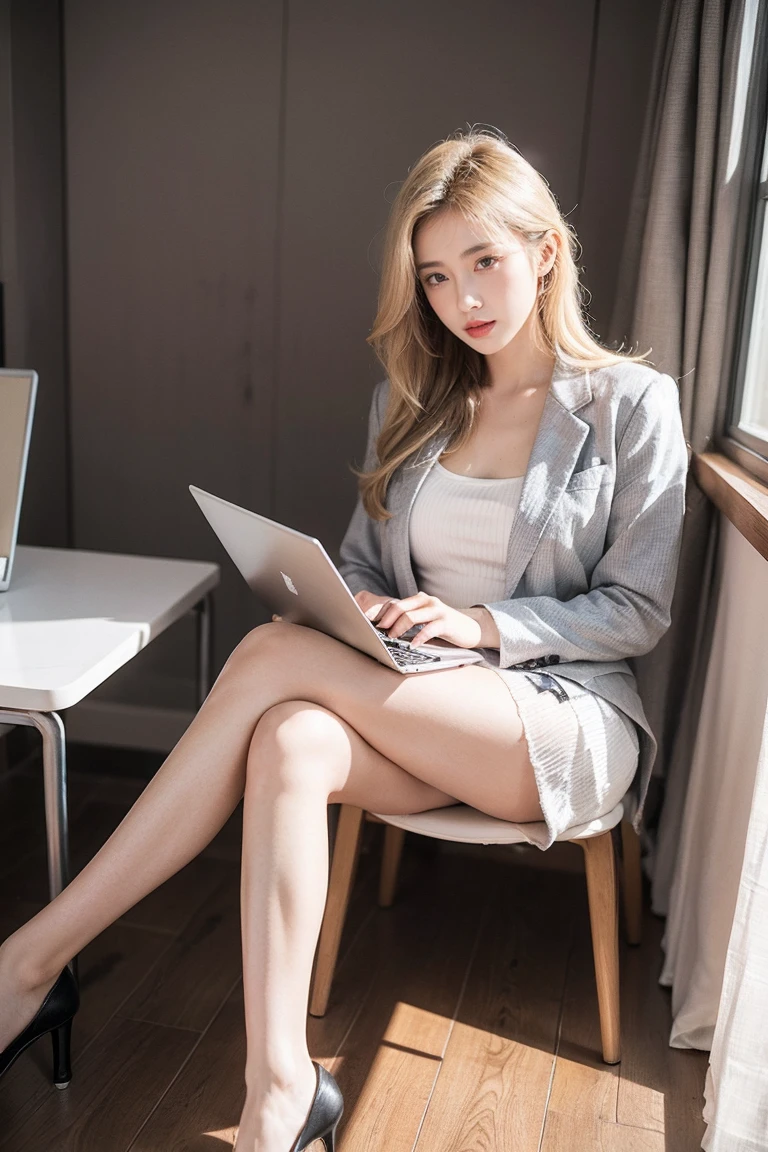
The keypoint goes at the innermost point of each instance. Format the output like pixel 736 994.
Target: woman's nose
pixel 469 300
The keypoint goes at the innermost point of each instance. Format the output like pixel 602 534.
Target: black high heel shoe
pixel 54 1015
pixel 324 1113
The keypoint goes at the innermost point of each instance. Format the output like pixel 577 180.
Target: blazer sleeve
pixel 627 608
pixel 360 552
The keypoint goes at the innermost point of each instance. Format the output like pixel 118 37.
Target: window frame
pixel 745 449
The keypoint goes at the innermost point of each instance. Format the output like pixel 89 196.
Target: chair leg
pixel 632 883
pixel 394 838
pixel 342 874
pixel 600 864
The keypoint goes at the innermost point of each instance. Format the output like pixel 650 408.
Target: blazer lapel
pixel 553 458
pixel 555 452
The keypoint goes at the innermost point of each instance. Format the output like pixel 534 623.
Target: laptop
pixel 295 577
pixel 18 392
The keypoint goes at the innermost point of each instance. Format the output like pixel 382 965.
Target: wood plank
pixel 14 913
pixel 737 494
pixel 390 1006
pixel 205 1103
pixel 419 951
pixel 194 975
pixel 88 830
pixel 115 1086
pixel 200 1111
pixel 660 1088
pixel 493 1084
pixel 22 816
pixel 227 844
pixel 584 1089
pixel 365 950
pixel 622 1138
pixel 170 907
pixel 109 969
pixel 119 789
pixel 360 961
pixel 655 1089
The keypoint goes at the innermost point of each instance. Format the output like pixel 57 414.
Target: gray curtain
pixel 679 294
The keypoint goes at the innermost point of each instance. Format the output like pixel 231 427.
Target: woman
pixel 524 494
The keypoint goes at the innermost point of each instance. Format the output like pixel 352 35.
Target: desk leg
pixel 204 613
pixel 51 728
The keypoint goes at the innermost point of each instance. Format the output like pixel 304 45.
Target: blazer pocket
pixel 589 478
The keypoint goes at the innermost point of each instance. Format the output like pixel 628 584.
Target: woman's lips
pixel 480 329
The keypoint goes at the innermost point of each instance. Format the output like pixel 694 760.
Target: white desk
pixel 69 620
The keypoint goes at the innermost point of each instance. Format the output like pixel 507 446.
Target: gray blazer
pixel 594 545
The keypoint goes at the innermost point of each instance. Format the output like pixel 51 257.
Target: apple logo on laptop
pixel 289 583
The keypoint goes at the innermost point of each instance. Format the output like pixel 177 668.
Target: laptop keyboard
pixel 402 653
pixel 406 658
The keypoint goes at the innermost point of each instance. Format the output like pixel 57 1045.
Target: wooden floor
pixel 464 1019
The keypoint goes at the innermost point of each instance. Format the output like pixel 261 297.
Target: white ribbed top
pixel 458 535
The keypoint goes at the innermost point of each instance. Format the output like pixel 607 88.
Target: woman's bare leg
pixel 440 728
pixel 298 757
pixel 301 757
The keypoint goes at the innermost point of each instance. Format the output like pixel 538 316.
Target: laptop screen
pixel 17 404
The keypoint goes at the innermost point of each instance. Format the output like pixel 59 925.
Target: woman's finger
pixel 371 603
pixel 397 608
pixel 409 619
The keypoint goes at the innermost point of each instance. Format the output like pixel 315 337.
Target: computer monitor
pixel 18 391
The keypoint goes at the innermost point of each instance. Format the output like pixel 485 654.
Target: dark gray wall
pixel 229 172
pixel 35 313
pixel 366 93
pixel 172 157
pixel 625 41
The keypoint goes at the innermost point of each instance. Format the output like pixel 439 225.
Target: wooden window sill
pixel 737 494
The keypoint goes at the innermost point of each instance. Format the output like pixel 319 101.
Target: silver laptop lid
pixel 18 392
pixel 291 573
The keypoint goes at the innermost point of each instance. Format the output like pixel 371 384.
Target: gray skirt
pixel 584 750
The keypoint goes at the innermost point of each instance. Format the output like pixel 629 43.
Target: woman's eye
pixel 485 263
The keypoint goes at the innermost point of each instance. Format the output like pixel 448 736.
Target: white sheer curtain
pixel 736 1111
pixel 720 884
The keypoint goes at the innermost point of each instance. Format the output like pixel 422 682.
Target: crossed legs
pixel 295 720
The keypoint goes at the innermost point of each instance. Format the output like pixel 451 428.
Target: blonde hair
pixel 435 379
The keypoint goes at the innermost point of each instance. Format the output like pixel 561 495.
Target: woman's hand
pixel 466 628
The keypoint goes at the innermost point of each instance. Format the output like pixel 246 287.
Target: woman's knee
pixel 266 646
pixel 299 744
pixel 276 636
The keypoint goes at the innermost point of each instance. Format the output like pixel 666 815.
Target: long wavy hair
pixel 436 380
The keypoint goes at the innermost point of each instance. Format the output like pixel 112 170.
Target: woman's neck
pixel 521 364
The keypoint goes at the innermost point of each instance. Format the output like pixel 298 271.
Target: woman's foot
pixel 274 1115
pixel 20 996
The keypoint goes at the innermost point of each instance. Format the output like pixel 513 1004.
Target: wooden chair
pixel 469 826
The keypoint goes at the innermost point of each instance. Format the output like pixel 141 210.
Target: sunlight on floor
pixel 409 1023
pixel 223 1136
pixel 612 1099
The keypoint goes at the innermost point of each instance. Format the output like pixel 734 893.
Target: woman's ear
pixel 548 252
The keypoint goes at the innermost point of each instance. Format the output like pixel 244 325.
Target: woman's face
pixel 484 292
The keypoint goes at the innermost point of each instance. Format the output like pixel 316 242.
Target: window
pixel 749 414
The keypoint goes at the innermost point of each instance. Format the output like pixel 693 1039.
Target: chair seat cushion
pixel 466 825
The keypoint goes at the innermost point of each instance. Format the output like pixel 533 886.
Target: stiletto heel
pixel 324 1113
pixel 54 1015
pixel 62 1067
